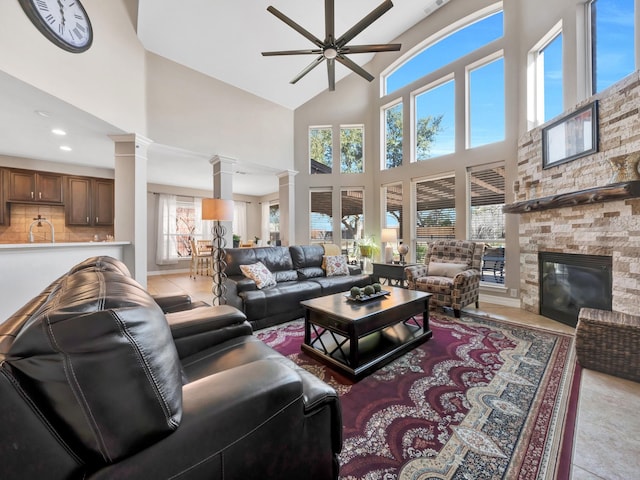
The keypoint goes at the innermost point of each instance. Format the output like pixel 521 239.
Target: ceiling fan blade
pixel 292 52
pixel 355 67
pixel 308 68
pixel 364 23
pixel 329 21
pixel 389 47
pixel 301 30
pixel 331 73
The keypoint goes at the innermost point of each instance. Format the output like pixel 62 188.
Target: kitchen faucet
pixel 38 221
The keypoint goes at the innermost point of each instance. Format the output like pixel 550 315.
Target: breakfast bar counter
pixel 27 268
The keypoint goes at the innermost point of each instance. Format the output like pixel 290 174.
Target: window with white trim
pixel 321 216
pixel 545 95
pixel 434 211
pixel 351 219
pixel 352 149
pixel 320 150
pixel 393 136
pixel 612 41
pixel 435 121
pixel 485 105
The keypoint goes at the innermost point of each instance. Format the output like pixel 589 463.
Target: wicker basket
pixel 609 342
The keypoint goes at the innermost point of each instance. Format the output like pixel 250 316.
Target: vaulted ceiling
pixel 223 39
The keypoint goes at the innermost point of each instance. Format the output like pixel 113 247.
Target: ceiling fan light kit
pixel 332 49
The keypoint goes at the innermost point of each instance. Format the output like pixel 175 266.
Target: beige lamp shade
pixel 217 209
pixel 389 235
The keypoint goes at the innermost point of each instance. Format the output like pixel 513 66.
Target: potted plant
pixel 369 247
pixel 236 240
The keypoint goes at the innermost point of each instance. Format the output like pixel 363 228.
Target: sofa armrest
pixel 195 330
pixel 354 269
pixel 172 301
pixel 414 272
pixel 235 423
pixel 466 277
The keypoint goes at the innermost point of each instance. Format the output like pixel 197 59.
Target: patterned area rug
pixel 483 399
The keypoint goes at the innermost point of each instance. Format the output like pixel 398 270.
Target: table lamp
pixel 389 236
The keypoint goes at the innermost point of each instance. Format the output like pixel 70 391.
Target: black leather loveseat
pixel 98 382
pixel 299 275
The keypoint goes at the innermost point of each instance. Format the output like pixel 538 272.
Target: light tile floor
pixel 607 438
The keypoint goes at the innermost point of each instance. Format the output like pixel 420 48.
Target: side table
pixel 392 272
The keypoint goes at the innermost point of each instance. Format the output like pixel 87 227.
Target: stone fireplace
pixel 585 223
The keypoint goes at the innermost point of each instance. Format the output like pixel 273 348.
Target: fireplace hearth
pixel 569 282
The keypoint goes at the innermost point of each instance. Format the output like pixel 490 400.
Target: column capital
pixel 287 173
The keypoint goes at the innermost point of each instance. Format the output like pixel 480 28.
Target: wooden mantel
pixel 608 193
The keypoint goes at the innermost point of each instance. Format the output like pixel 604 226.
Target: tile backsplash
pixel 22 216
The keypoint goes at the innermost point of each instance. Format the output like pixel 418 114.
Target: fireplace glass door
pixel 569 282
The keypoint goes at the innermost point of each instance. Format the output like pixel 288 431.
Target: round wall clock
pixel 64 22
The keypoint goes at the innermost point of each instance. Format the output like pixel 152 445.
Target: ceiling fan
pixel 334 49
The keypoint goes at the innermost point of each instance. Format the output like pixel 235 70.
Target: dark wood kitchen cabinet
pixel 90 201
pixel 38 187
pixel 4 214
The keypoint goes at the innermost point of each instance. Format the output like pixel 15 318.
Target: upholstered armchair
pixel 451 272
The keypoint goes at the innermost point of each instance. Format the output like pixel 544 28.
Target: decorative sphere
pixel 377 287
pixel 355 292
pixel 403 249
pixel 369 290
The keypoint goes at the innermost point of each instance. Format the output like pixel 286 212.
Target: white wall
pixel 193 111
pixel 108 80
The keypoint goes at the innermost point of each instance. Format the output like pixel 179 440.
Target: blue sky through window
pixel 614 41
pixel 486 104
pixel 447 50
pixel 553 104
pixel 439 101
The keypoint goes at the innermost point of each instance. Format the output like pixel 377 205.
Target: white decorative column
pixel 223 171
pixel 130 223
pixel 287 201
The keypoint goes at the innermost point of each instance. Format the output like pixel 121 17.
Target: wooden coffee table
pixel 359 337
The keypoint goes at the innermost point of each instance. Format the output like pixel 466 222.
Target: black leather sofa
pixel 98 382
pixel 299 276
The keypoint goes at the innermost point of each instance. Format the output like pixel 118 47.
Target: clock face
pixel 64 22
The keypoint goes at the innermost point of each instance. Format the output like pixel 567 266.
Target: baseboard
pixel 504 301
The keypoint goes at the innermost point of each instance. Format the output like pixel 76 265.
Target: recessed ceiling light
pixel 65 148
pixel 42 113
pixel 58 131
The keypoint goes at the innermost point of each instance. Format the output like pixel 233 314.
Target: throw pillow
pixel 259 274
pixel 336 265
pixel 446 269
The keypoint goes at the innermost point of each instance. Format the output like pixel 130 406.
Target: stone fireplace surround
pixel 600 228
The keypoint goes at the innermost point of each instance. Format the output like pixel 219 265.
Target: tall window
pixel 320 149
pixel 321 216
pixel 545 99
pixel 393 215
pixel 551 56
pixel 274 223
pixel 486 188
pixel 612 41
pixel 393 136
pixel 352 149
pixel 450 47
pixel 351 219
pixel 179 221
pixel 435 129
pixel 435 211
pixel 486 103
